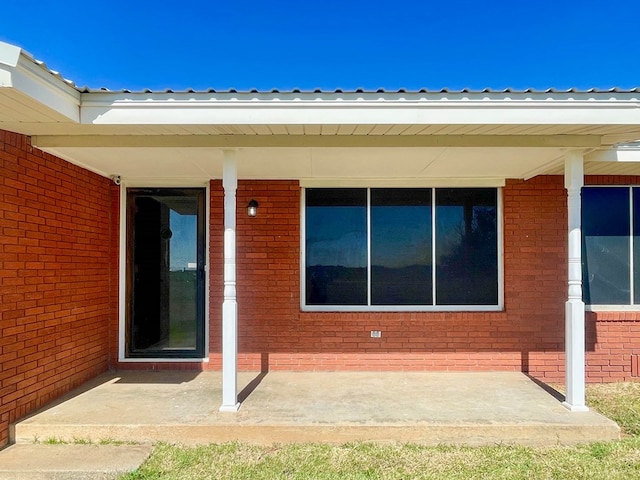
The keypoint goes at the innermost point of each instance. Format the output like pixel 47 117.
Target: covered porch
pixel 470 408
pixel 534 149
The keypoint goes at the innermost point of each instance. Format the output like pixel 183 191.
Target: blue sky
pixel 331 44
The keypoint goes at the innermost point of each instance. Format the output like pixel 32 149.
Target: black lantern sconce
pixel 252 208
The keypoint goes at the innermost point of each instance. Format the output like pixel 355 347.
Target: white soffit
pixel 399 166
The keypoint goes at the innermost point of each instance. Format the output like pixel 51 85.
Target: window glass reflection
pixel 165 290
pixel 606 236
pixel 466 246
pixel 636 245
pixel 336 246
pixel 401 247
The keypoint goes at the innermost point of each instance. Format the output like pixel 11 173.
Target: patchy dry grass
pixel 607 460
pixel 618 401
pixel 613 460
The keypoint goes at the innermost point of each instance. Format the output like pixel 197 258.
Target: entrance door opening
pixel 165 273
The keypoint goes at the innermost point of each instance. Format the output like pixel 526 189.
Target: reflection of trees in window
pixel 466 247
pixel 467 273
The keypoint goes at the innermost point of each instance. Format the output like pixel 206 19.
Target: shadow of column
pixel 524 360
pixel 253 384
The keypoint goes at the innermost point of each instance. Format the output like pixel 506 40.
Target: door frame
pixel 122 271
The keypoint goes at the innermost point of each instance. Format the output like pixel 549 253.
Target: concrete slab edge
pixel 456 434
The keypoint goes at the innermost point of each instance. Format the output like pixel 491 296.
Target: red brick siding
pixel 55 265
pixel 216 267
pixel 615 337
pixel 269 270
pixel 114 274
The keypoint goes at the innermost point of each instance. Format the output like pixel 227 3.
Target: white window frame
pixel 630 307
pixel 402 308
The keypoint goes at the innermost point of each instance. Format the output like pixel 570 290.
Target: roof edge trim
pixel 36 86
pixel 9 54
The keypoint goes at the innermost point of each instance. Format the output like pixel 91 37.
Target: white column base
pixel 575 408
pixel 575 356
pixel 229 356
pixel 230 408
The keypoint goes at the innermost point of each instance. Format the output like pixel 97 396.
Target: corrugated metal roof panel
pixel 275 91
pixel 44 66
pixel 380 91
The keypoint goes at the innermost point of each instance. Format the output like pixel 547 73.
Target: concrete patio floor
pixel 476 408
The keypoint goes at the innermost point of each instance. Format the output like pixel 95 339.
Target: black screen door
pixel 165 272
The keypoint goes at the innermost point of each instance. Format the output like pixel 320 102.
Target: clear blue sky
pixel 331 44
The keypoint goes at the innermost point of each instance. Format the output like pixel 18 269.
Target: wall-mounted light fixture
pixel 252 208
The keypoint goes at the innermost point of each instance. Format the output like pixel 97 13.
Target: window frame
pixel 604 307
pixel 403 308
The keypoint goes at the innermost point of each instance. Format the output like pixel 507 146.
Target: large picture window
pixel 395 248
pixel 611 245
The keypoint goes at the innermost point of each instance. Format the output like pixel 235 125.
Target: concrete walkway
pixel 70 462
pixel 428 408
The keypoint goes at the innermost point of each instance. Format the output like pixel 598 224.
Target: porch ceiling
pixel 464 160
pixel 400 164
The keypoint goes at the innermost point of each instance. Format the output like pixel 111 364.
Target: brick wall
pixel 55 267
pixel 114 274
pixel 527 336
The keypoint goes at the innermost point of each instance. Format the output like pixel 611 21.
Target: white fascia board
pixel 178 110
pixel 19 72
pixel 622 155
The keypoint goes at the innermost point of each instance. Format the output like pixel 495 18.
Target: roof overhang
pixel 399 137
pixel 31 94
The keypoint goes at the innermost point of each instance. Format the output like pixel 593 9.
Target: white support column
pixel 230 304
pixel 574 307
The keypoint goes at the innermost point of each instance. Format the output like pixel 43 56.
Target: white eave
pixel 29 92
pixel 392 109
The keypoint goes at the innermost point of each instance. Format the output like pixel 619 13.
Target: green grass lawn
pixel 607 460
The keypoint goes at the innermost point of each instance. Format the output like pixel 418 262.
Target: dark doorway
pixel 165 272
